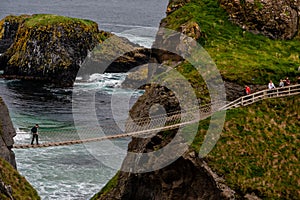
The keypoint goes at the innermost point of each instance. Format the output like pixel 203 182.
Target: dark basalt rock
pixel 51 52
pixel 52 49
pixel 7 132
pixel 274 19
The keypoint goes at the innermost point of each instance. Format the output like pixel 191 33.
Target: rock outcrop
pixel 46 47
pixel 13 186
pixel 275 19
pixel 186 178
pixel 52 49
pixel 7 133
pixel 114 55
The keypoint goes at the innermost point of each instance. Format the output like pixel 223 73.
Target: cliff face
pixel 7 133
pixel 13 186
pixel 46 47
pixel 188 177
pixel 275 19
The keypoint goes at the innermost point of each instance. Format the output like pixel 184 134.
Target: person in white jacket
pixel 271 85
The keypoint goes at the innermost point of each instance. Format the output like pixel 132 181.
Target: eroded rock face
pixel 7 133
pixel 51 51
pixel 275 19
pixel 186 178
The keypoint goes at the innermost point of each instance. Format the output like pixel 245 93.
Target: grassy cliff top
pixel 258 150
pixel 241 56
pixel 50 19
pixel 20 187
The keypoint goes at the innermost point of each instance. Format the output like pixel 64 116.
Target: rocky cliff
pixel 49 48
pixel 7 133
pixel 12 184
pixel 275 19
pixel 188 177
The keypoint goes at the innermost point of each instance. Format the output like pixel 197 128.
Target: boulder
pixel 276 20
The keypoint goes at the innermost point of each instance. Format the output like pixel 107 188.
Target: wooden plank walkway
pixel 205 111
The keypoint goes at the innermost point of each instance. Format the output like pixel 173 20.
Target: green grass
pixel 259 148
pixel 20 187
pixel 111 184
pixel 240 56
pixel 49 19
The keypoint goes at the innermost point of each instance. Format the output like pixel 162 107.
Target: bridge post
pixel 264 94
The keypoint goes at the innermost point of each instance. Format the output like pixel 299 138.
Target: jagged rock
pixel 187 178
pixel 175 5
pixel 277 20
pixel 8 31
pixel 6 190
pixel 7 133
pixel 52 49
pixel 114 55
pixel 13 185
pixel 46 47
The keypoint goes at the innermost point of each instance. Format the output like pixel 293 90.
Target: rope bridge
pixel 154 124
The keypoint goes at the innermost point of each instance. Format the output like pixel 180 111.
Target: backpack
pixel 34 130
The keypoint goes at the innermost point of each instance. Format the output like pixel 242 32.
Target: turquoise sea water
pixel 64 172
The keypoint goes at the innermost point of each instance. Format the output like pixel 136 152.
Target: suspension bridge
pixel 146 126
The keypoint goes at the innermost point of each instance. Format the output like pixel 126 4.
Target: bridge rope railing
pixel 264 94
pixel 150 124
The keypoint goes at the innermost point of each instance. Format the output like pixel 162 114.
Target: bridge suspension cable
pixel 148 125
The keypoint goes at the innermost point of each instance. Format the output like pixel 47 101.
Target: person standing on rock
pixel 35 134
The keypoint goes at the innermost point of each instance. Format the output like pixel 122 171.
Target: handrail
pixel 142 126
pixel 264 94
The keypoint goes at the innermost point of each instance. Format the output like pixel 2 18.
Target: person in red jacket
pixel 247 90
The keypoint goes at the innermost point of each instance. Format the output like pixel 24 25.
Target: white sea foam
pixel 143 36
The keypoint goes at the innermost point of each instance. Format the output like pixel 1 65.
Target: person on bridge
pixel 281 83
pixel 287 81
pixel 247 90
pixel 271 85
pixel 35 134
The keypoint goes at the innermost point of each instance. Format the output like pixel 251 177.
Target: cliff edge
pixel 44 47
pixel 257 143
pixel 7 133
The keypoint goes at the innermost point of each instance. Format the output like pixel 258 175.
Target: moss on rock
pixel 15 184
pixel 49 47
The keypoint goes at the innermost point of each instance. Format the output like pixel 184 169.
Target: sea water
pixel 72 172
pixel 62 172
